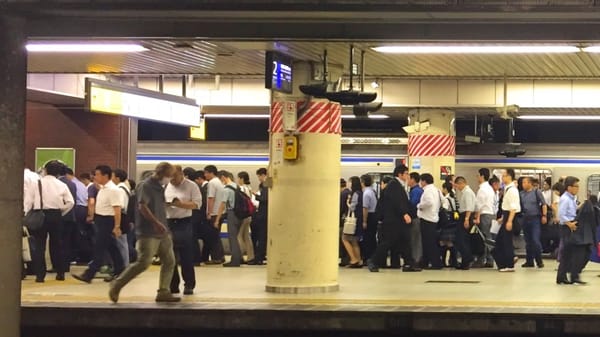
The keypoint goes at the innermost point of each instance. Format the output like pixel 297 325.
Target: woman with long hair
pixel 244 234
pixel 351 240
pixel 448 233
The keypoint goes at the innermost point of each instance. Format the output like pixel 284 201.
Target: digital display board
pixel 117 99
pixel 278 72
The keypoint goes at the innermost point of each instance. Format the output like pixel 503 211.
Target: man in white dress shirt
pixel 107 222
pixel 484 214
pixel 56 200
pixel 428 213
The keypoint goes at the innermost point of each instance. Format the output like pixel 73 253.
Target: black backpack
pixel 243 206
pixel 128 215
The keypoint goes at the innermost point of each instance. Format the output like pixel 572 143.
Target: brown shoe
pixel 166 296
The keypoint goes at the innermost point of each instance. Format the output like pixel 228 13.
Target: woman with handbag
pixel 353 229
pixel 448 230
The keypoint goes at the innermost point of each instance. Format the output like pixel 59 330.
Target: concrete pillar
pixel 13 74
pixel 431 142
pixel 303 223
pixel 132 135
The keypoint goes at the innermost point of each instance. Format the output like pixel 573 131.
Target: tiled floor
pixel 526 290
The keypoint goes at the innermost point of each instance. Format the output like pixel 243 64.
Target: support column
pixel 303 223
pixel 13 74
pixel 432 142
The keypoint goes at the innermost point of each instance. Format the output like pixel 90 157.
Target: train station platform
pixel 430 303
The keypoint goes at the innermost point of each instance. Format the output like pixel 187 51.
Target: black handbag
pixel 34 219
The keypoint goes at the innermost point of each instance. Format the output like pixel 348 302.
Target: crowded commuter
pixel 55 199
pixel 213 197
pixel 351 238
pixel 345 195
pixel 572 251
pixel 153 236
pixel 69 225
pixel 202 227
pixel 182 197
pixel 80 210
pixel 428 212
pixel 534 215
pixel 226 206
pixel 466 207
pixel 414 195
pixel 107 222
pixel 504 250
pixel 396 225
pixel 244 238
pixel 394 252
pixel 484 214
pixel 259 220
pixel 447 233
pixel 119 177
pixel 369 216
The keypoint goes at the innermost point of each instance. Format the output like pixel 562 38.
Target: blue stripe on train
pixel 584 161
pixel 250 158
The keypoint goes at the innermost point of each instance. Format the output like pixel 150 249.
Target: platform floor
pixel 484 294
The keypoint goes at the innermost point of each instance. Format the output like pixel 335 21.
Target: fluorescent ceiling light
pixel 592 49
pixel 560 117
pixel 470 49
pixel 85 47
pixel 370 117
pixel 237 116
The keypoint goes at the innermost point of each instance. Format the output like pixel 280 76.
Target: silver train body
pixel 541 160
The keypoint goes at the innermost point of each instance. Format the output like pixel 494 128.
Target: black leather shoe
pixel 188 291
pixel 174 291
pixel 462 266
pixel 356 265
pixel 81 278
pixel 411 269
pixel 563 281
pixel 372 267
pixel 255 263
pixel 578 282
pixel 229 264
pixel 527 265
pixel 39 280
pixel 60 277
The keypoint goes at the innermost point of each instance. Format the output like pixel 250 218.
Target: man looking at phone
pixel 182 196
pixel 567 210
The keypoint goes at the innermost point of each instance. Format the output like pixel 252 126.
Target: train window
pixel 377 176
pixel 539 174
pixel 593 184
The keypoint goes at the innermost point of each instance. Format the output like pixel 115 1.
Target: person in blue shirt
pixel 567 210
pixel 414 195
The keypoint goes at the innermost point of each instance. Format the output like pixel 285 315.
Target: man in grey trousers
pixel 153 236
pixel 484 214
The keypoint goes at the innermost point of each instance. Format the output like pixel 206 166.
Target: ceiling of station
pixel 246 58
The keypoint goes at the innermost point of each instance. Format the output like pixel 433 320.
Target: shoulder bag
pixel 34 219
pixel 349 224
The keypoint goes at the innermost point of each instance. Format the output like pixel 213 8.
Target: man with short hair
pixel 415 193
pixel 567 212
pixel 107 221
pixel 119 177
pixel 199 222
pixel 182 197
pixel 55 201
pixel 227 204
pixel 259 220
pixel 534 215
pixel 369 222
pixel 396 226
pixel 428 211
pixel 466 206
pixel 484 214
pixel 153 235
pixel 511 205
pixel 214 191
pixel 69 224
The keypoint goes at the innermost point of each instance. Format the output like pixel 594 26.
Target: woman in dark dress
pixel 351 240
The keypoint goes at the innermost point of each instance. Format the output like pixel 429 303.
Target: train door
pixel 593 185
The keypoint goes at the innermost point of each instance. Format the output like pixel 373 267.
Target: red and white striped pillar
pixel 432 142
pixel 303 227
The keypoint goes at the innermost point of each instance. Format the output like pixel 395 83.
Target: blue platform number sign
pixel 278 72
pixel 445 172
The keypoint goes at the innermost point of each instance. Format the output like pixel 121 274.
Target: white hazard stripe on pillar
pixel 431 145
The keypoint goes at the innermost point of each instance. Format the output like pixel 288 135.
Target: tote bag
pixel 349 224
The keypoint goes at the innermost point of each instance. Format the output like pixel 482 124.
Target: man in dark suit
pixel 396 226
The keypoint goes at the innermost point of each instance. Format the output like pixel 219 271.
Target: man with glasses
pixel 567 210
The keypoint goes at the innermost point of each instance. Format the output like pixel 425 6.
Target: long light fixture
pixel 84 47
pixel 591 49
pixel 476 49
pixel 266 116
pixel 561 117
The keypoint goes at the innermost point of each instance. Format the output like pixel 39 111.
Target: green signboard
pixel 45 154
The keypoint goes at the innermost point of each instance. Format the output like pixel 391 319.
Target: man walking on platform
pixel 154 237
